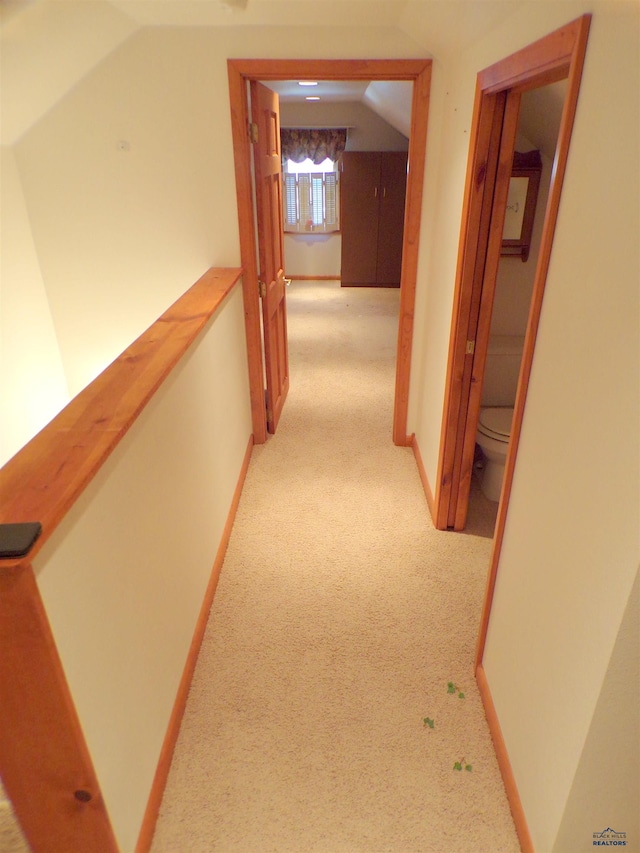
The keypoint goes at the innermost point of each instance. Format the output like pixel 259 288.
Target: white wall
pixel 120 234
pixel 366 131
pixel 34 388
pixel 124 576
pixel 606 788
pixel 570 550
pixel 312 254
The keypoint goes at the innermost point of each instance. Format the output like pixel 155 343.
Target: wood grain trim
pixel 410 250
pixel 478 274
pixel 547 60
pixel 475 220
pixel 544 61
pixel 416 70
pixel 154 802
pixel 480 324
pixel 544 257
pixel 43 480
pixel 423 475
pixel 44 758
pixel 330 69
pixel 314 277
pixel 248 245
pixel 504 764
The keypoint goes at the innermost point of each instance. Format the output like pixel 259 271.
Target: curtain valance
pixel 316 144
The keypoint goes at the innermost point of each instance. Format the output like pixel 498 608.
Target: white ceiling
pixel 391 100
pixel 196 13
pixel 540 114
pixel 328 90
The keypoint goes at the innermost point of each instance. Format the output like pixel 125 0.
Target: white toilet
pixel 498 396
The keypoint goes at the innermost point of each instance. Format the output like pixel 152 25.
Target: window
pixel 311 197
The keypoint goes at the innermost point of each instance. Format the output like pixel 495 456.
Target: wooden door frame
pixel 417 71
pixel 557 56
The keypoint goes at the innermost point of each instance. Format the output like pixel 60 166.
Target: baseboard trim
pixel 423 476
pixel 314 277
pixel 519 819
pixel 150 818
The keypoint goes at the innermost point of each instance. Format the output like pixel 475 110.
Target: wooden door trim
pixel 419 72
pixel 554 57
pixel 482 307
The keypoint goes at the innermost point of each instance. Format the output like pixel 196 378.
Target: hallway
pixel 340 617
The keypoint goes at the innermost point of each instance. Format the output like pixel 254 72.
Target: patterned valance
pixel 317 144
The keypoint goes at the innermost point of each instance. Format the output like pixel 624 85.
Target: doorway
pixel 242 71
pixel 536 141
pixel 558 56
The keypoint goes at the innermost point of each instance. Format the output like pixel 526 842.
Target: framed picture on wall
pixel 521 204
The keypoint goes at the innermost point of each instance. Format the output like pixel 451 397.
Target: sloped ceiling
pixel 204 13
pixel 540 114
pixel 391 100
pixel 47 46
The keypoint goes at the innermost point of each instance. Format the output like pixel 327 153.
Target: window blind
pixel 311 201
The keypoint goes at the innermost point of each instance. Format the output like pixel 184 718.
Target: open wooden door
pixel 268 176
pixel 497 127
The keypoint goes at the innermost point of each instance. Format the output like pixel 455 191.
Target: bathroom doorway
pixel 537 135
pixel 500 90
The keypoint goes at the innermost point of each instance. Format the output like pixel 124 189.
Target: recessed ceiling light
pixel 306 83
pixel 312 98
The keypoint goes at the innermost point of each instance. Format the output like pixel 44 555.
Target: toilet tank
pixel 502 370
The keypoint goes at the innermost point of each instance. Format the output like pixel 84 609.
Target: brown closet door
pixel 393 190
pixel 359 191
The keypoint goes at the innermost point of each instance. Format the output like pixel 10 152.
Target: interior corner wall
pixel 450 108
pixel 123 182
pixel 606 789
pixel 34 388
pixel 570 549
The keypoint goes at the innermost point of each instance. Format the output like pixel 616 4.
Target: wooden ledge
pixel 44 479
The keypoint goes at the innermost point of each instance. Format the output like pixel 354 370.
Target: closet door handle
pixel 375 192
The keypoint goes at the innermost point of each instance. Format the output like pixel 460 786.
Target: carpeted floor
pixel 340 618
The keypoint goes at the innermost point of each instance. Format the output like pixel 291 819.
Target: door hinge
pixel 471 348
pixel 262 289
pixel 253 132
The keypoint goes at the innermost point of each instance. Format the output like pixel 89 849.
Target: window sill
pixel 311 233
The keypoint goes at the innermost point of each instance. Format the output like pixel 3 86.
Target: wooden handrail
pixel 44 479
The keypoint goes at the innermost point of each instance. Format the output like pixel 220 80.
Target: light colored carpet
pixel 340 617
pixel 11 837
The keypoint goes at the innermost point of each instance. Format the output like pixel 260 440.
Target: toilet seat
pixel 495 422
